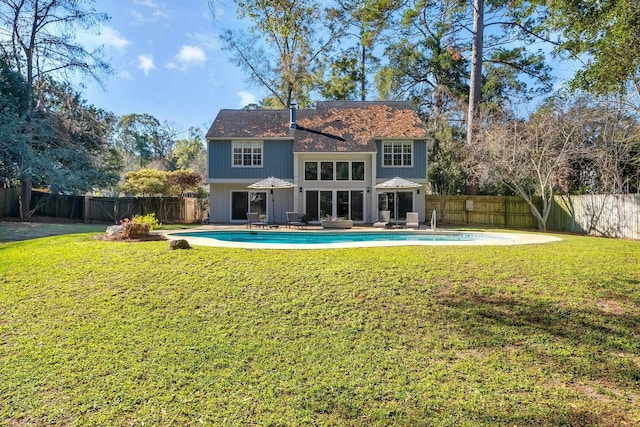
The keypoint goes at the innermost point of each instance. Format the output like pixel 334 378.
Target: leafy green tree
pixel 365 21
pixel 135 134
pixel 189 153
pixel 149 183
pixel 282 49
pixel 146 183
pixel 446 160
pixel 344 74
pixel 443 60
pixel 70 143
pixel 181 181
pixel 431 58
pixel 64 141
pixel 145 138
pixel 602 34
pixel 426 69
pixel 15 100
pixel 39 39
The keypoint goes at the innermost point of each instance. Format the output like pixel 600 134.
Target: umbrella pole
pixel 273 207
pixel 395 208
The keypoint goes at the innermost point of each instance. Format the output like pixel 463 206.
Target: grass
pixel 12 231
pixel 16 230
pixel 110 333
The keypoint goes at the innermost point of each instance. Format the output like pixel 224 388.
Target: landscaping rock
pixel 135 230
pixel 179 244
pixel 114 230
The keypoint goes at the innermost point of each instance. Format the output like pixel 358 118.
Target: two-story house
pixel 334 154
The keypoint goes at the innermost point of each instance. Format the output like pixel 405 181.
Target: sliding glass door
pixel 247 201
pixel 347 204
pixel 404 203
pixel 356 203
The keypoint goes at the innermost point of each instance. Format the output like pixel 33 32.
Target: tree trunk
pixel 25 194
pixel 363 79
pixel 475 86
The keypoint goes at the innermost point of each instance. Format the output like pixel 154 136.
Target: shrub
pixel 147 219
pixel 139 225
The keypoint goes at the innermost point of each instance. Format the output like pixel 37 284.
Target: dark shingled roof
pixel 336 126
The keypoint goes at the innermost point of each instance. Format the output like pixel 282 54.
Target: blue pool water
pixel 324 237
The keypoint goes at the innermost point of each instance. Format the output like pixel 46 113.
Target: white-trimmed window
pixel 247 154
pixel 397 153
pixel 334 170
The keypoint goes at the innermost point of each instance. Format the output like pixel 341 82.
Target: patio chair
pixel 383 219
pixel 293 218
pixel 253 219
pixel 412 220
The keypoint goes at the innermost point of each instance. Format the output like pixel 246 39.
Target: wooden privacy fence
pixel 57 205
pixel 172 209
pixel 102 209
pixel 599 215
pixel 497 211
pixel 53 205
pixel 9 206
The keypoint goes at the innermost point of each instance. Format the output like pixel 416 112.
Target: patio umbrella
pixel 271 184
pixel 396 184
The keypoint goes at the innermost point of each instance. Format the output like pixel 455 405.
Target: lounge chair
pixel 383 219
pixel 412 220
pixel 253 219
pixel 294 219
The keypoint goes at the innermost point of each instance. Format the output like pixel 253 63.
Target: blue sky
pixel 167 61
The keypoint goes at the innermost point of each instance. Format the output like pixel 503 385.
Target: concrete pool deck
pixel 491 238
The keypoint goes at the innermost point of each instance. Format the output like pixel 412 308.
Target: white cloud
pixel 147 3
pixel 153 11
pixel 145 63
pixel 111 37
pixel 107 36
pixel 188 57
pixel 246 98
pixel 191 55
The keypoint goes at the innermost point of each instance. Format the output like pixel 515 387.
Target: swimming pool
pixel 316 239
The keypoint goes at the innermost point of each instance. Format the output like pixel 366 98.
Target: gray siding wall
pixel 278 204
pixel 419 169
pixel 277 161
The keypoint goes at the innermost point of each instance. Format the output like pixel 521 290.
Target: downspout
pixel 296 157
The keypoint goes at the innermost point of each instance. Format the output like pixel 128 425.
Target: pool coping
pixel 501 239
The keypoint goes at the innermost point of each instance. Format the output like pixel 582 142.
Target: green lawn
pixel 113 333
pixel 14 231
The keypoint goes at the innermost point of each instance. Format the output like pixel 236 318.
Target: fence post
pixel 506 212
pixel 87 208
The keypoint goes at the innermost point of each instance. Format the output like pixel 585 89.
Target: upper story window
pixel 247 153
pixel 311 171
pixel 342 171
pixel 326 171
pixel 357 171
pixel 395 153
pixel 330 171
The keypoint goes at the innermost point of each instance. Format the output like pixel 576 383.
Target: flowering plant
pixel 138 225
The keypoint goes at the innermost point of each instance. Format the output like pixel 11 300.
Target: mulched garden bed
pixel 146 238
